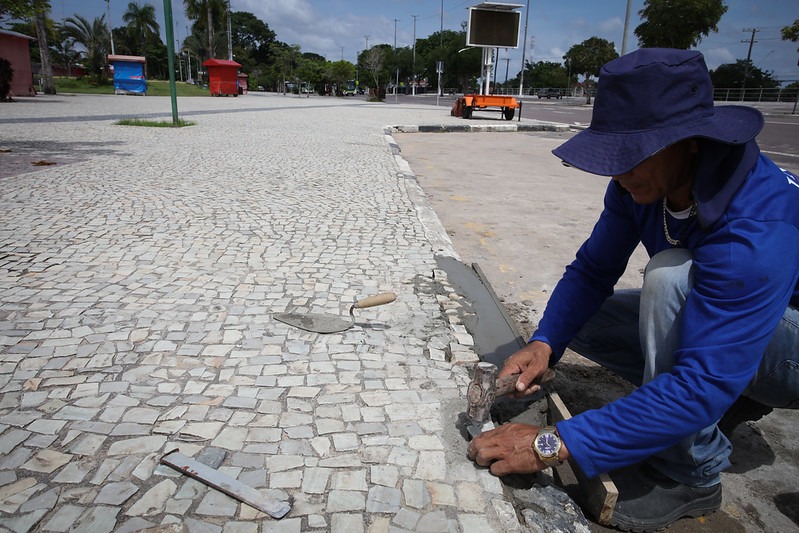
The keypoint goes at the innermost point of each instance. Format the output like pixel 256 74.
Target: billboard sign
pixel 493 26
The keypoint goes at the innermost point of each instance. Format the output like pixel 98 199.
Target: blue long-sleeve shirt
pixel 745 245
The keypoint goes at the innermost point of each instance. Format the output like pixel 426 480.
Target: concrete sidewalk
pixel 139 268
pixel 509 205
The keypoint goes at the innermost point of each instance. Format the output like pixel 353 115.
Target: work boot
pixel 649 500
pixel 743 410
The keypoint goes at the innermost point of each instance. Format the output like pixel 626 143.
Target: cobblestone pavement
pixel 138 276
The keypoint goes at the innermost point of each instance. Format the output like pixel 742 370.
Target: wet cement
pixel 495 335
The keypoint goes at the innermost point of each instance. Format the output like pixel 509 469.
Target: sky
pixel 340 29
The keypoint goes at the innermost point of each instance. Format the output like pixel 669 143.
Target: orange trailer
pixel 466 104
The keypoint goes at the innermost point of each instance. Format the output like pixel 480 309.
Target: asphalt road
pixel 779 138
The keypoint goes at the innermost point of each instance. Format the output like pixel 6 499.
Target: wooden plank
pixel 600 493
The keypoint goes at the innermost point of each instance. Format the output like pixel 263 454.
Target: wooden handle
pixel 378 299
pixel 507 384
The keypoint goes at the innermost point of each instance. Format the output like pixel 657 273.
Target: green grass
pixel 154 87
pixel 154 123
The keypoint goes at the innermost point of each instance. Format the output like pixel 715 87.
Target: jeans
pixel 635 334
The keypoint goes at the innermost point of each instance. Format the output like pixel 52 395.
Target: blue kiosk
pixel 128 74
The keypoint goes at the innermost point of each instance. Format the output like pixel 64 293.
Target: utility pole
pixel 229 34
pixel 748 59
pixel 180 60
pixel 441 32
pixel 414 55
pixel 367 42
pixel 110 30
pixel 395 57
pixel 626 27
pixel 507 63
pixel 524 49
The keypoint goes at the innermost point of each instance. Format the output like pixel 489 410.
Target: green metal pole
pixel 170 50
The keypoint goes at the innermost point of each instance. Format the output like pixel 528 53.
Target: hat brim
pixel 614 154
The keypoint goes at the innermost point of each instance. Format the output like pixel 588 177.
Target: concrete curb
pixel 478 128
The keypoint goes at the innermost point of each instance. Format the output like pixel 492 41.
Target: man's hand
pixel 532 362
pixel 506 450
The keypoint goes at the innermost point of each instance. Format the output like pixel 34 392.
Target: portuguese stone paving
pixel 139 271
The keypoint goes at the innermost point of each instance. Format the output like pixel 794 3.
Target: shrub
pixel 6 75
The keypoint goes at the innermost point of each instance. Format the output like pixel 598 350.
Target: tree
pixel 588 57
pixel 204 12
pixel 42 8
pixel 66 53
pixel 94 37
pixel 252 40
pixel 678 23
pixel 285 63
pixel 17 9
pixel 731 75
pixel 373 61
pixel 142 25
pixel 545 74
pixel 791 33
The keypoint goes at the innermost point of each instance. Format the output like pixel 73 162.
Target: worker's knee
pixel 668 274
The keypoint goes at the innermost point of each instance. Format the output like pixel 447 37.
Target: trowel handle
pixel 378 299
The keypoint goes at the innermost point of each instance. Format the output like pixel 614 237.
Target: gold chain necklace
pixel 669 239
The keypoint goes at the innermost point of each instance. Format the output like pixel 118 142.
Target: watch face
pixel 547 444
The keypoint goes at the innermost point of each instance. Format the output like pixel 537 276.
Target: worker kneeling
pixel 712 337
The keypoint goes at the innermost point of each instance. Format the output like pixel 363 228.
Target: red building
pixel 222 76
pixel 15 48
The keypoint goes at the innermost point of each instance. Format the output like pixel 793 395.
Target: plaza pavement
pixel 139 269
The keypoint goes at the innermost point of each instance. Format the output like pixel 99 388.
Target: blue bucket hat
pixel 648 100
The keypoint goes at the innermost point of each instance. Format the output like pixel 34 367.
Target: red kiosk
pixel 242 83
pixel 222 76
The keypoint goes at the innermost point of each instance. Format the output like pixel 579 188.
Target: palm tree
pixel 93 36
pixel 42 8
pixel 66 52
pixel 204 11
pixel 142 24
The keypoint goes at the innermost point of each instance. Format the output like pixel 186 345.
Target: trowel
pixel 328 323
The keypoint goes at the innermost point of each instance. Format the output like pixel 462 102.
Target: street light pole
pixel 626 27
pixel 524 49
pixel 414 54
pixel 110 29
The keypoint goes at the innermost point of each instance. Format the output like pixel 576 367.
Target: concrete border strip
pixel 434 229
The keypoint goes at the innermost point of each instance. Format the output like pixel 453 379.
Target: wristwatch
pixel 547 445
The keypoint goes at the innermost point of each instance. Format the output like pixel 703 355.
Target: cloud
pixel 718 56
pixel 297 22
pixel 611 26
pixel 279 12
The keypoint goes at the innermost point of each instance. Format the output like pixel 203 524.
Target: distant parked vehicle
pixel 548 93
